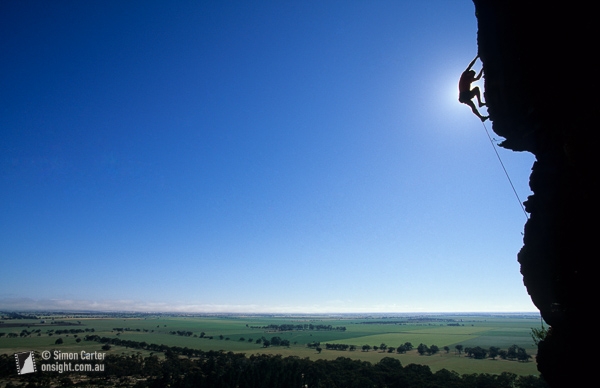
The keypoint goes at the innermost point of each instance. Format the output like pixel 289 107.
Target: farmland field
pixel 240 334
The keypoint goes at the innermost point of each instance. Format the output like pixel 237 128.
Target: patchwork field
pixel 240 334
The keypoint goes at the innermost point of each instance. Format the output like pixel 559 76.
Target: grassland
pixel 239 334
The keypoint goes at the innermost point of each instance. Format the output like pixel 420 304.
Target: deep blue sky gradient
pixel 250 156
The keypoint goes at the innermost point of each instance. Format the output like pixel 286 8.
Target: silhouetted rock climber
pixel 466 94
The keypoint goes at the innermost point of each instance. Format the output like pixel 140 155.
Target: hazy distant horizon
pixel 123 306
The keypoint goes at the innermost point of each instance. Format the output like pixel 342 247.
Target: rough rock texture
pixel 540 67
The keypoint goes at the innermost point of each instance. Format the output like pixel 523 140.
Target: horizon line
pixel 84 311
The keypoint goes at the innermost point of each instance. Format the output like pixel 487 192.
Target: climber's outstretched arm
pixel 472 63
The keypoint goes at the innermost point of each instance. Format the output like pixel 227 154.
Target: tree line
pixel 50 333
pixel 403 348
pixel 221 369
pixel 514 352
pixel 300 327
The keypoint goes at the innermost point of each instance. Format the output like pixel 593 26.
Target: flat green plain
pixel 239 334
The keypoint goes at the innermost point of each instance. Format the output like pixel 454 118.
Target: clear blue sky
pixel 250 156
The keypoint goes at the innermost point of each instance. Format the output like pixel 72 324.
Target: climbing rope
pixel 505 172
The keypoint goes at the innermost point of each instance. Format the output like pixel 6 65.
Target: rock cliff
pixel 540 70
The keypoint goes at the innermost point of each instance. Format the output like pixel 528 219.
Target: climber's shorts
pixel 465 97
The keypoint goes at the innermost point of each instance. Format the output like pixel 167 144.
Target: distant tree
pixel 319 349
pixel 447 349
pixel 493 352
pixel 477 352
pixel 522 355
pixel 459 348
pixel 58 341
pixel 391 349
pixel 511 353
pixel 366 348
pixel 383 347
pixel 275 341
pixel 408 346
pixel 433 349
pixel 221 337
pixel 106 347
pixel 352 348
pixel 266 343
pixel 78 340
pixel 422 349
pixel 503 354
